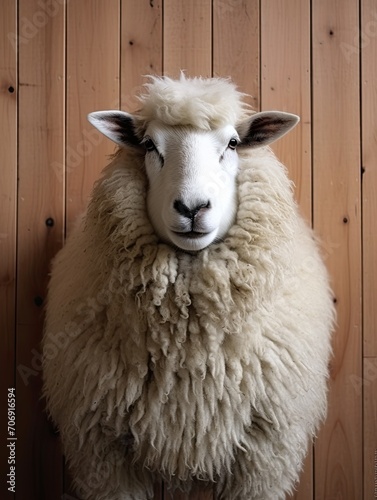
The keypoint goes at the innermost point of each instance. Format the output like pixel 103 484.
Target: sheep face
pixel 191 198
pixel 192 195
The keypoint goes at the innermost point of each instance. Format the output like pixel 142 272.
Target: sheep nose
pixel 187 212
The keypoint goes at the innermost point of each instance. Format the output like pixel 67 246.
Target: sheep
pixel 191 306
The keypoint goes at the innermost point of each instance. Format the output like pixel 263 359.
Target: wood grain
pixel 40 233
pixel 93 84
pixel 368 385
pixel 285 86
pixel 236 47
pixel 141 47
pixel 187 37
pixel 370 427
pixel 369 155
pixel 8 216
pixel 93 51
pixel 337 219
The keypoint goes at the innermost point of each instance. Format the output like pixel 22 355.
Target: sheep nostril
pixel 182 209
pixel 190 213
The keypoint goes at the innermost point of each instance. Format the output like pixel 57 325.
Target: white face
pixel 191 198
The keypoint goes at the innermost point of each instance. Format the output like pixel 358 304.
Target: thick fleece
pixel 210 365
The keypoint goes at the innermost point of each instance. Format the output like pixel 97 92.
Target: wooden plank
pixel 93 83
pixel 336 187
pixel 369 150
pixel 141 47
pixel 40 232
pixel 285 85
pixel 236 45
pixel 305 488
pixel 93 46
pixel 370 427
pixel 369 154
pixel 93 53
pixel 187 37
pixel 8 214
pixel 198 492
pixel 158 491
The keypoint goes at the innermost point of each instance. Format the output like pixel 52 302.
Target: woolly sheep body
pixel 208 365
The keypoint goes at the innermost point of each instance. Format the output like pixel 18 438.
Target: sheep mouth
pixel 190 234
pixel 192 241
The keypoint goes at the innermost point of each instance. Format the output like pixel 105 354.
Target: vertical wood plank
pixel 187 37
pixel 285 85
pixel 370 428
pixel 158 491
pixel 93 83
pixel 93 46
pixel 40 232
pixel 369 151
pixel 369 154
pixel 336 187
pixel 141 47
pixel 236 45
pixel 199 492
pixel 8 214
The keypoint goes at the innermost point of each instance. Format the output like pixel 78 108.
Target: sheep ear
pixel 266 127
pixel 118 126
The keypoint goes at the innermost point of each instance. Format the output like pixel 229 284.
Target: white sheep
pixel 189 314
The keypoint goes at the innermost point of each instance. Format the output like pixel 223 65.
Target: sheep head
pixel 192 170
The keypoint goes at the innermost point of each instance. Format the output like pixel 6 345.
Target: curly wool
pixel 210 366
pixel 203 103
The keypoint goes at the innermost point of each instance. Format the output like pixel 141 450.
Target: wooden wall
pixel 60 59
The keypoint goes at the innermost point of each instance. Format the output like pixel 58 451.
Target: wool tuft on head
pixel 189 314
pixel 202 103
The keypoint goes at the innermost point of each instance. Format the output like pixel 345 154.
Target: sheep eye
pixel 233 143
pixel 149 144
